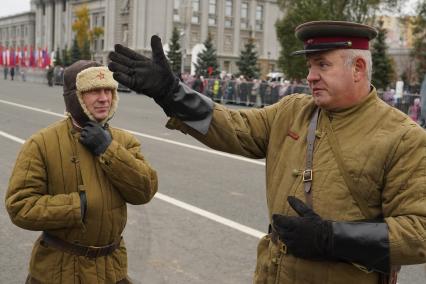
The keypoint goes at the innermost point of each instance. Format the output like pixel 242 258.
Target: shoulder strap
pixel 307 173
pixel 335 148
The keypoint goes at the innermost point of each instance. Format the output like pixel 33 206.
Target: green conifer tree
pixel 85 51
pixel 58 59
pixel 207 59
pixel 382 65
pixel 66 56
pixel 75 52
pixel 247 63
pixel 175 54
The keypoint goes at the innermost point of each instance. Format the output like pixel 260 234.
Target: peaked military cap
pixel 319 36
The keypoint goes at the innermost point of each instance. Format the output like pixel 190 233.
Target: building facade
pixel 231 23
pixel 17 31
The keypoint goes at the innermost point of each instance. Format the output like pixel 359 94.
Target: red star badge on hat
pixel 101 75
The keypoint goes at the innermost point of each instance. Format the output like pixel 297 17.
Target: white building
pixel 132 23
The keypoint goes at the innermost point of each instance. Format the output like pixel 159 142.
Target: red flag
pixel 32 59
pixel 1 55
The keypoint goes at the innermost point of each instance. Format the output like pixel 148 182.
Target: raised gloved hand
pixel 307 236
pixel 95 138
pixel 152 77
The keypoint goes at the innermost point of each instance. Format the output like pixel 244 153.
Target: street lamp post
pixel 185 11
pixel 268 64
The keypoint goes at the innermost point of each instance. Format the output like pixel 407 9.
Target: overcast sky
pixel 14 7
pixel 20 6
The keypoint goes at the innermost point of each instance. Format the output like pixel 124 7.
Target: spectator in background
pixel 5 72
pixel 414 110
pixel 388 97
pixel 12 73
pixel 197 85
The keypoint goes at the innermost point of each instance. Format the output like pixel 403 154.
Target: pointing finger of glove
pixel 157 50
pixel 127 61
pixel 117 67
pixel 123 79
pixel 301 208
pixel 129 52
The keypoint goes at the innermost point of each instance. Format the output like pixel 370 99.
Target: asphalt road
pixel 202 227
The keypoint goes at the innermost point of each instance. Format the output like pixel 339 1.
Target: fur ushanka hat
pixel 83 76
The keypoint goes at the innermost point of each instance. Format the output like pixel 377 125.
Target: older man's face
pixel 98 102
pixel 330 80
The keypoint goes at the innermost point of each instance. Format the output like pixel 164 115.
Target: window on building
pixel 22 30
pixel 103 21
pixel 244 15
pixel 212 12
pixel 102 44
pixel 176 8
pixel 43 9
pixel 259 17
pixel 228 13
pixel 1 34
pixel 195 19
pixel 125 31
pixel 64 5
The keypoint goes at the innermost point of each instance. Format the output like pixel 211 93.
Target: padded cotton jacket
pixel 383 151
pixel 43 195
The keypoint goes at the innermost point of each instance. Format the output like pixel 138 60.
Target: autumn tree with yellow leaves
pixel 85 36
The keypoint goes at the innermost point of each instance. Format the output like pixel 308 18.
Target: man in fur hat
pixel 72 181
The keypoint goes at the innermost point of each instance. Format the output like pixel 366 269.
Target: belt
pixel 76 249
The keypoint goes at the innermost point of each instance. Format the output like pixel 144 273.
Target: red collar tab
pixel 354 42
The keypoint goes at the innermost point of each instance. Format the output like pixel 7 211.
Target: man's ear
pixel 360 69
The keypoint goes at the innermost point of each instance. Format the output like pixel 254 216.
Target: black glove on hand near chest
pixel 95 138
pixel 307 236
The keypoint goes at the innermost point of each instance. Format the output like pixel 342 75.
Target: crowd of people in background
pixel 229 89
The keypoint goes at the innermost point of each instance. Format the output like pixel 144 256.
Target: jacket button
pixel 295 172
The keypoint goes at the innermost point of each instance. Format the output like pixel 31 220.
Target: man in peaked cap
pixel 72 181
pixel 345 172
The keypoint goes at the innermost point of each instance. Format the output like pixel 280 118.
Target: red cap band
pixel 356 42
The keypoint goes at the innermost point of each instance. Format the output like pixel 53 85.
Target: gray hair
pixel 351 54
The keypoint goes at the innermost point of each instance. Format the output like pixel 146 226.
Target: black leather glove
pixel 152 77
pixel 95 138
pixel 307 236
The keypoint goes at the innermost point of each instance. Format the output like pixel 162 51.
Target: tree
pixel 297 12
pixel 383 70
pixel 419 47
pixel 207 60
pixel 247 63
pixel 84 35
pixel 75 52
pixel 66 56
pixel 175 54
pixel 58 60
pixel 85 51
pixel 81 25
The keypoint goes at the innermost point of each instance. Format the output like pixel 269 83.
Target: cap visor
pixel 308 51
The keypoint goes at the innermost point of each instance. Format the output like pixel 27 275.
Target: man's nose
pixel 312 75
pixel 102 95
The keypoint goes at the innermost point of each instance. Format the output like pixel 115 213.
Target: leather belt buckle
pixel 283 247
pixel 307 175
pixel 92 252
